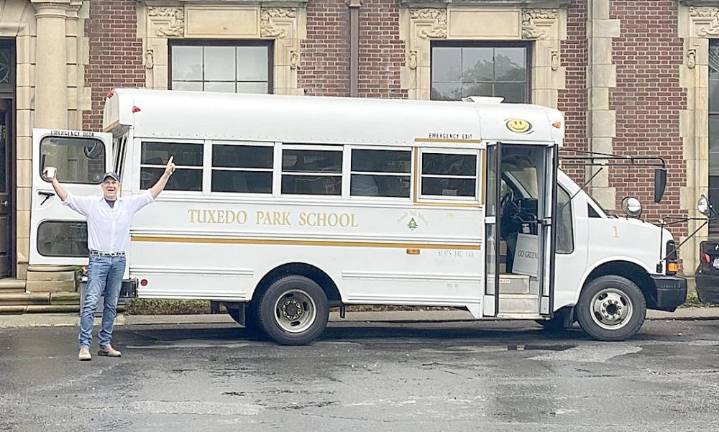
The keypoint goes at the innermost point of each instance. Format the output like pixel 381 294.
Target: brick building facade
pixel 632 77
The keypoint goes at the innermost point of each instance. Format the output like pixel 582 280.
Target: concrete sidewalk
pixel 52 320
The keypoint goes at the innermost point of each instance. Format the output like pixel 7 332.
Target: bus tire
pixel 293 310
pixel 611 308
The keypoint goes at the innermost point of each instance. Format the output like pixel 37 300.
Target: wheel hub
pixel 611 308
pixel 291 309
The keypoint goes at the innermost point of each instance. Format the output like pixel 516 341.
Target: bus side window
pixel 448 174
pixel 565 229
pixel 187 158
pixel 383 173
pixel 242 168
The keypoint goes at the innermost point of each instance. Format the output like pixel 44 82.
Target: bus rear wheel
pixel 611 308
pixel 293 311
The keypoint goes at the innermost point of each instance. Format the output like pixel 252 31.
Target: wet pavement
pixel 494 376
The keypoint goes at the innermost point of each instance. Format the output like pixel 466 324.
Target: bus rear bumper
pixel 669 293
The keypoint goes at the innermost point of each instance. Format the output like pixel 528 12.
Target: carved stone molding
pixel 168 21
pixel 536 23
pixel 431 23
pixel 294 59
pixel 706 20
pixel 269 28
pixel 412 60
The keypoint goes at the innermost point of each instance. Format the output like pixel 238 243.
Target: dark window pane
pixel 236 156
pixel 509 64
pixel 714 95
pixel 78 160
pixel 714 144
pixel 312 161
pixel 219 63
pixel 511 92
pixel 449 164
pixel 477 89
pixel 477 64
pixel 713 198
pixel 565 232
pixel 311 185
pixel 5 65
pixel 376 185
pixel 491 180
pixel 713 59
pixel 187 63
pixel 448 186
pixel 182 179
pixel 391 161
pixel 62 239
pixel 446 64
pixel 155 153
pixel 446 91
pixel 241 181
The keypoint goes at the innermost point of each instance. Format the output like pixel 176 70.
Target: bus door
pixel 58 235
pixel 519 257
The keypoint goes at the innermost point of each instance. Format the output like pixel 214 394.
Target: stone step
pixel 8 285
pixel 24 299
pixel 22 309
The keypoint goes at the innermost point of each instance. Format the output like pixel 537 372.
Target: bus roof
pixel 176 114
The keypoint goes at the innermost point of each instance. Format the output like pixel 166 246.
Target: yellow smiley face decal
pixel 519 125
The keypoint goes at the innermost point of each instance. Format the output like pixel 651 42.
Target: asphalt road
pixel 492 376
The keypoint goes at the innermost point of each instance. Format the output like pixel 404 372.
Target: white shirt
pixel 108 228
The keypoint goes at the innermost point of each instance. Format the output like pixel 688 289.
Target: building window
pixel 186 157
pixel 242 168
pixel 472 69
pixel 714 129
pixel 384 173
pixel 312 170
pixel 448 175
pixel 230 67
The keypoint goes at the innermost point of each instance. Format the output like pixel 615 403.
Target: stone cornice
pixel 710 3
pixel 534 4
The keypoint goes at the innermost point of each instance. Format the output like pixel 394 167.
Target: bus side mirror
pixel 660 183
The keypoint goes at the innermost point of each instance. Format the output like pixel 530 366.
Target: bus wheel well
pixel 628 270
pixel 301 269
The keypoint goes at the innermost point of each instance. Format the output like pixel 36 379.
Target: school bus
pixel 283 207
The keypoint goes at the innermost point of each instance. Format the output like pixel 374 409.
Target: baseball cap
pixel 111 175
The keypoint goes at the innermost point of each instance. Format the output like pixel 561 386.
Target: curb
pixel 71 319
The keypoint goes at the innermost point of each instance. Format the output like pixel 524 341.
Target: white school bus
pixel 283 207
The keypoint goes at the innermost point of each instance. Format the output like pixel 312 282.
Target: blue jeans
pixel 104 276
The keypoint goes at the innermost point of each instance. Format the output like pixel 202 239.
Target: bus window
pixel 187 158
pixel 565 231
pixel 306 171
pixel 448 174
pixel 242 168
pixel 383 173
pixel 78 160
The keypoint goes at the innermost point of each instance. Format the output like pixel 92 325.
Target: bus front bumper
pixel 669 293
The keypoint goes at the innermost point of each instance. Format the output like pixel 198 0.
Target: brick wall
pixel 325 66
pixel 648 100
pixel 381 52
pixel 115 53
pixel 573 99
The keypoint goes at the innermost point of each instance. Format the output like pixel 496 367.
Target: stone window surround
pixel 542 22
pixel 282 22
pixel 698 22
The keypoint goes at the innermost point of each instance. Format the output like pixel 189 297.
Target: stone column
pixel 51 65
pixel 601 76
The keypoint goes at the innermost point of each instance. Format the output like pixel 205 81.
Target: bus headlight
pixel 632 207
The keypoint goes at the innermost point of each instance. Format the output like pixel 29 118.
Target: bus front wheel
pixel 293 310
pixel 611 308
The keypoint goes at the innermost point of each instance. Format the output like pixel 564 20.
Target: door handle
pixel 47 196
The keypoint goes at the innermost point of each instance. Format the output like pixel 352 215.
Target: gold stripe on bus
pixel 448 140
pixel 289 242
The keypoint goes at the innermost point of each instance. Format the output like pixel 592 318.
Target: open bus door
pixel 520 253
pixel 58 235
